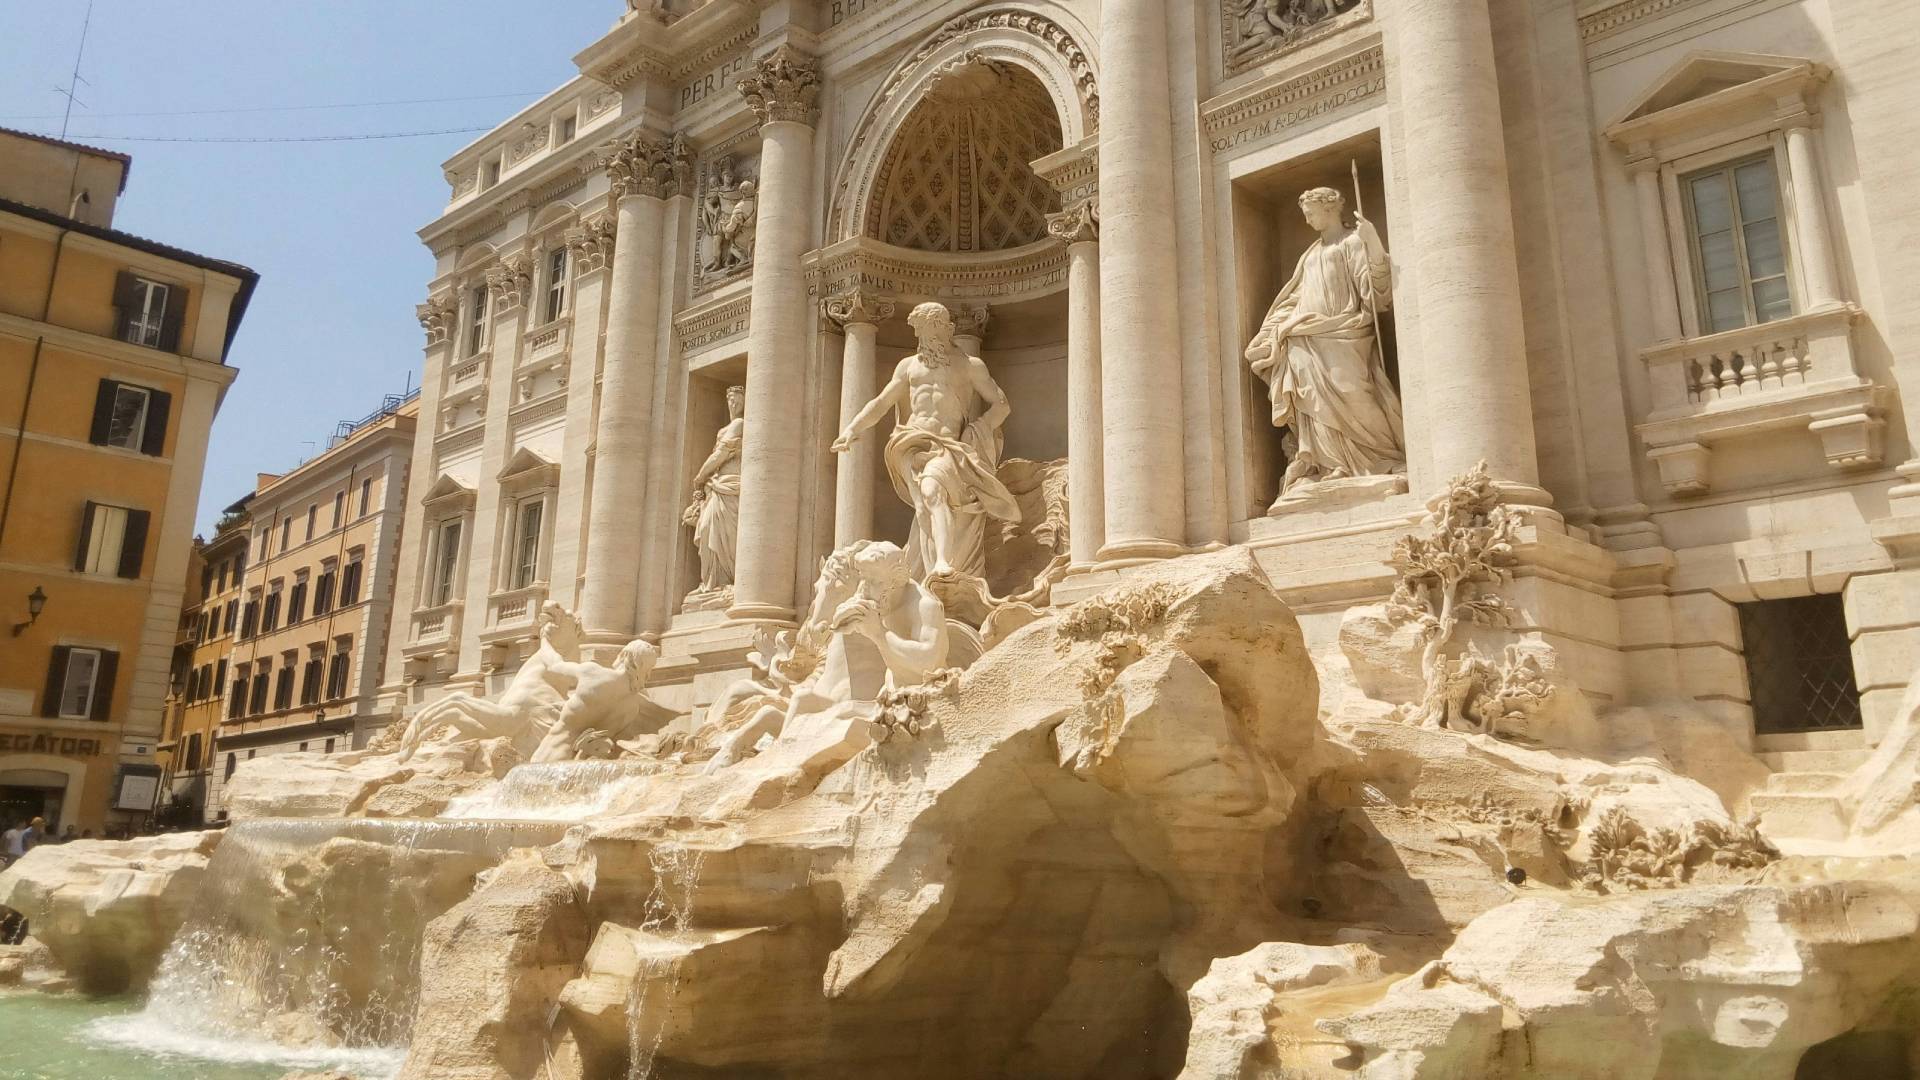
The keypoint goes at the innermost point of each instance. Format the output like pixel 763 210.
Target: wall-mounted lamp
pixel 36 603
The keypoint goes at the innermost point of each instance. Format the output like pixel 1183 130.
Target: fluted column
pixel 1143 417
pixel 1657 257
pixel 1473 356
pixel 857 470
pixel 1079 226
pixel 1817 264
pixel 644 171
pixel 781 93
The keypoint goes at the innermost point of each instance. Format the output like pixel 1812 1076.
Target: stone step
pixel 1800 816
pixel 1804 783
pixel 1831 761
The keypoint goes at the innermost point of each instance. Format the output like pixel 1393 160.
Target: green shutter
pixel 103 412
pixel 133 548
pixel 103 684
pixel 56 682
pixel 153 441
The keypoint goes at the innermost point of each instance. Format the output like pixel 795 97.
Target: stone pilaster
pixel 859 315
pixel 1079 227
pixel 781 92
pixel 643 172
pixel 1143 419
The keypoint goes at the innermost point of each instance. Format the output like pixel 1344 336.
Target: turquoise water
pixel 72 1038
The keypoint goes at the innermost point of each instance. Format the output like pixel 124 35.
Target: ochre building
pixel 113 353
pixel 306 619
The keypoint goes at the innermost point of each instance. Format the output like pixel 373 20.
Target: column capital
pixel 1077 224
pixel 438 316
pixel 783 86
pixel 970 320
pixel 509 280
pixel 642 164
pixel 857 306
pixel 591 243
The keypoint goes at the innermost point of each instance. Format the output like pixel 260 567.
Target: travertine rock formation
pixel 365 783
pixel 107 909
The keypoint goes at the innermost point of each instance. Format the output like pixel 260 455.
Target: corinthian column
pixel 1139 322
pixel 1473 353
pixel 859 315
pixel 781 93
pixel 643 172
pixel 1079 226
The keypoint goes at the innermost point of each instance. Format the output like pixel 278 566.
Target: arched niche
pixel 1043 45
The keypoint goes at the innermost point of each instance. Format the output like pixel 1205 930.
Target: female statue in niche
pixel 714 512
pixel 1318 349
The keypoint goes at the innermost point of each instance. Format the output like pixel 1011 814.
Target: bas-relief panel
pixel 1254 31
pixel 726 207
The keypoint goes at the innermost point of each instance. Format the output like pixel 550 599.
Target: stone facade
pixel 1104 195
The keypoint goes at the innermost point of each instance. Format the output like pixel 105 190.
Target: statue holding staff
pixel 1318 349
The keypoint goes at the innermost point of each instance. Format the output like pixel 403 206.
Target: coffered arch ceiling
pixel 956 177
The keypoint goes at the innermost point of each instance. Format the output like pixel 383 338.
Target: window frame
pixel 559 263
pixel 445 571
pixel 138 434
pixel 479 300
pixel 521 574
pixel 145 325
pixel 366 497
pixel 1683 181
pixel 97 658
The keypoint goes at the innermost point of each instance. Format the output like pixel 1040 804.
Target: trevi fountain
pixel 1060 588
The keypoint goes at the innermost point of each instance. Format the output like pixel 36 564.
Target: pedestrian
pixel 71 834
pixel 15 846
pixel 35 835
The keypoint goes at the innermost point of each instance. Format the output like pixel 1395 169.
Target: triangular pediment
pixel 1704 73
pixel 447 490
pixel 527 468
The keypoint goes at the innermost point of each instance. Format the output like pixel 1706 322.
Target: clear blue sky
pixel 330 226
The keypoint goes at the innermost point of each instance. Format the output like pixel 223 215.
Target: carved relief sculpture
pixel 644 165
pixel 941 456
pixel 870 629
pixel 1257 27
pixel 714 513
pixel 1318 349
pixel 727 218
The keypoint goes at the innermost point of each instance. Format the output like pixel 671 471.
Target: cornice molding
pixel 1285 99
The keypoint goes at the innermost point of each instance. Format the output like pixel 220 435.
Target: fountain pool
pixel 75 1038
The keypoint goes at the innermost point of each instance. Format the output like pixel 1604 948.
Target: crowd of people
pixel 29 834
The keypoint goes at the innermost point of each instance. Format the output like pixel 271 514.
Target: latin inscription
pixel 841 10
pixel 721 78
pixel 1299 114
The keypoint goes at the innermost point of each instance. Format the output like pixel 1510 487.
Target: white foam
pixel 148 1033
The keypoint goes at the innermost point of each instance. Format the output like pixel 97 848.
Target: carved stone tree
pixel 1445 580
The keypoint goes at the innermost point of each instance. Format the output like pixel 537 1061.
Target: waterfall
pixel 309 931
pixel 557 791
pixel 667 913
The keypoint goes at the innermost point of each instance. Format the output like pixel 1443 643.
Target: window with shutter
pixel 145 314
pixel 80 671
pixel 283 688
pixel 120 415
pixel 339 507
pixel 350 583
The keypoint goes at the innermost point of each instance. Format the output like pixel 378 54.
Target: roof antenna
pixel 74 85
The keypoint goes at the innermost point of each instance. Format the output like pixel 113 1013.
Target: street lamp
pixel 36 603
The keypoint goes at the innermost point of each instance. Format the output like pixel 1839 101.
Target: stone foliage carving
pixel 942 454
pixel 1079 223
pixel 729 212
pixel 1257 29
pixel 439 317
pixel 644 165
pixel 592 244
pixel 1445 583
pixel 509 281
pixel 857 306
pixel 714 513
pixel 532 137
pixel 783 87
pixel 1318 349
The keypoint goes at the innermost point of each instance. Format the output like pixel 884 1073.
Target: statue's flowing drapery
pixel 962 470
pixel 1317 352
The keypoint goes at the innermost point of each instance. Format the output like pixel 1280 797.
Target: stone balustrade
pixel 512 613
pixel 1798 372
pixel 435 629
